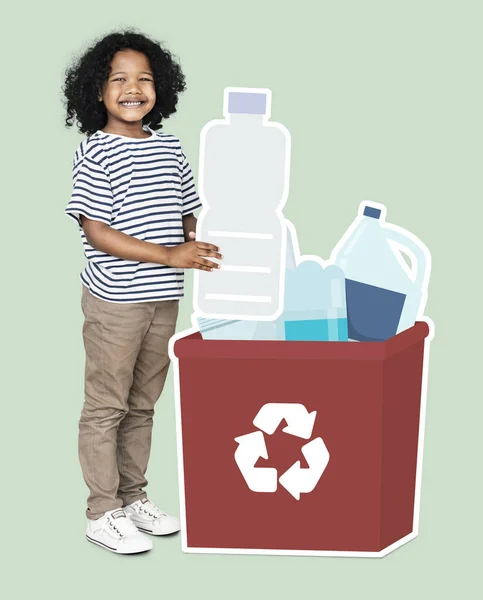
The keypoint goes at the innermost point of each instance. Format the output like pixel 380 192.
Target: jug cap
pixel 248 103
pixel 370 211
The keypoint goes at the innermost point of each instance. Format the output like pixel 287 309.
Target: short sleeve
pixel 91 193
pixel 190 197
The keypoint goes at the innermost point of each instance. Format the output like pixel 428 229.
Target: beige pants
pixel 127 362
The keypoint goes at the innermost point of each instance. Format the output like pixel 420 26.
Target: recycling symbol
pixel 251 447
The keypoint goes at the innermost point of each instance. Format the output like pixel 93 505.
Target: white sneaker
pixel 116 532
pixel 149 518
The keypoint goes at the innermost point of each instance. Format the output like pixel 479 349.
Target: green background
pixel 383 101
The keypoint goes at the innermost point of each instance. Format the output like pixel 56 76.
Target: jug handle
pixel 421 266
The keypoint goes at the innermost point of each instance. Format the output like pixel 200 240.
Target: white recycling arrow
pixel 299 421
pixel 301 481
pixel 251 448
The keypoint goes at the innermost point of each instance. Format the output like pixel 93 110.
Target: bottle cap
pixel 369 211
pixel 248 103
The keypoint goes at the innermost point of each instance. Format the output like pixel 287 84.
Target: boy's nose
pixel 132 86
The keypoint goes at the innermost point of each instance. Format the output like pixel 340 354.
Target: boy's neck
pixel 134 131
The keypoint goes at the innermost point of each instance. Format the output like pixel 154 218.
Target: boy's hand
pixel 190 255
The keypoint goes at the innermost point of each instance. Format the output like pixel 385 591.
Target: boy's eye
pixel 119 78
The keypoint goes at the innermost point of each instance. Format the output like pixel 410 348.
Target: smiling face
pixel 130 81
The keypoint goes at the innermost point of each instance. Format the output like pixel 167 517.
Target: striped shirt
pixel 142 187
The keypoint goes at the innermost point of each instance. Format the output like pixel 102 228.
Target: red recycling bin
pixel 300 447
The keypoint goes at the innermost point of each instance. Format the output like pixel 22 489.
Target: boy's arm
pixel 106 239
pixel 116 243
pixel 189 225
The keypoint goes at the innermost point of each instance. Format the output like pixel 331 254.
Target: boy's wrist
pixel 165 255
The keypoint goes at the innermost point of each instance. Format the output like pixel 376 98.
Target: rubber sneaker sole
pixel 111 549
pixel 151 532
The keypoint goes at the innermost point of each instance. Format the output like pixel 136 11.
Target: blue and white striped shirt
pixel 142 187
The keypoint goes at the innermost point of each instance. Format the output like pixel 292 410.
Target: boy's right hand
pixel 190 256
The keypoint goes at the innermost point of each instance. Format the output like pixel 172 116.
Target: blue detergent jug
pixel 314 303
pixel 384 294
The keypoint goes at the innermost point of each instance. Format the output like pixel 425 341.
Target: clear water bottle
pixel 243 184
pixel 315 304
pixel 224 329
pixel 234 329
pixel 384 294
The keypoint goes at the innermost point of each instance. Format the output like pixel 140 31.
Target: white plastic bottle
pixel 385 296
pixel 243 184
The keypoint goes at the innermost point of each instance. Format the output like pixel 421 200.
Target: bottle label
pixel 373 313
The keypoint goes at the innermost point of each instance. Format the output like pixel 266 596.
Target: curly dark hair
pixel 86 76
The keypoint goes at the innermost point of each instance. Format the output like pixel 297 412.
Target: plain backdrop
pixel 383 101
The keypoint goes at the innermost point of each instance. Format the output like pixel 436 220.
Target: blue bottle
pixel 385 295
pixel 314 304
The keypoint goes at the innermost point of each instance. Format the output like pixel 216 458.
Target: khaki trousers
pixel 127 361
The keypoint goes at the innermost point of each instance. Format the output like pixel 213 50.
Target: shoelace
pixel 152 510
pixel 123 526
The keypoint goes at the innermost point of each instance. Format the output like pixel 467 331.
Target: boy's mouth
pixel 136 104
